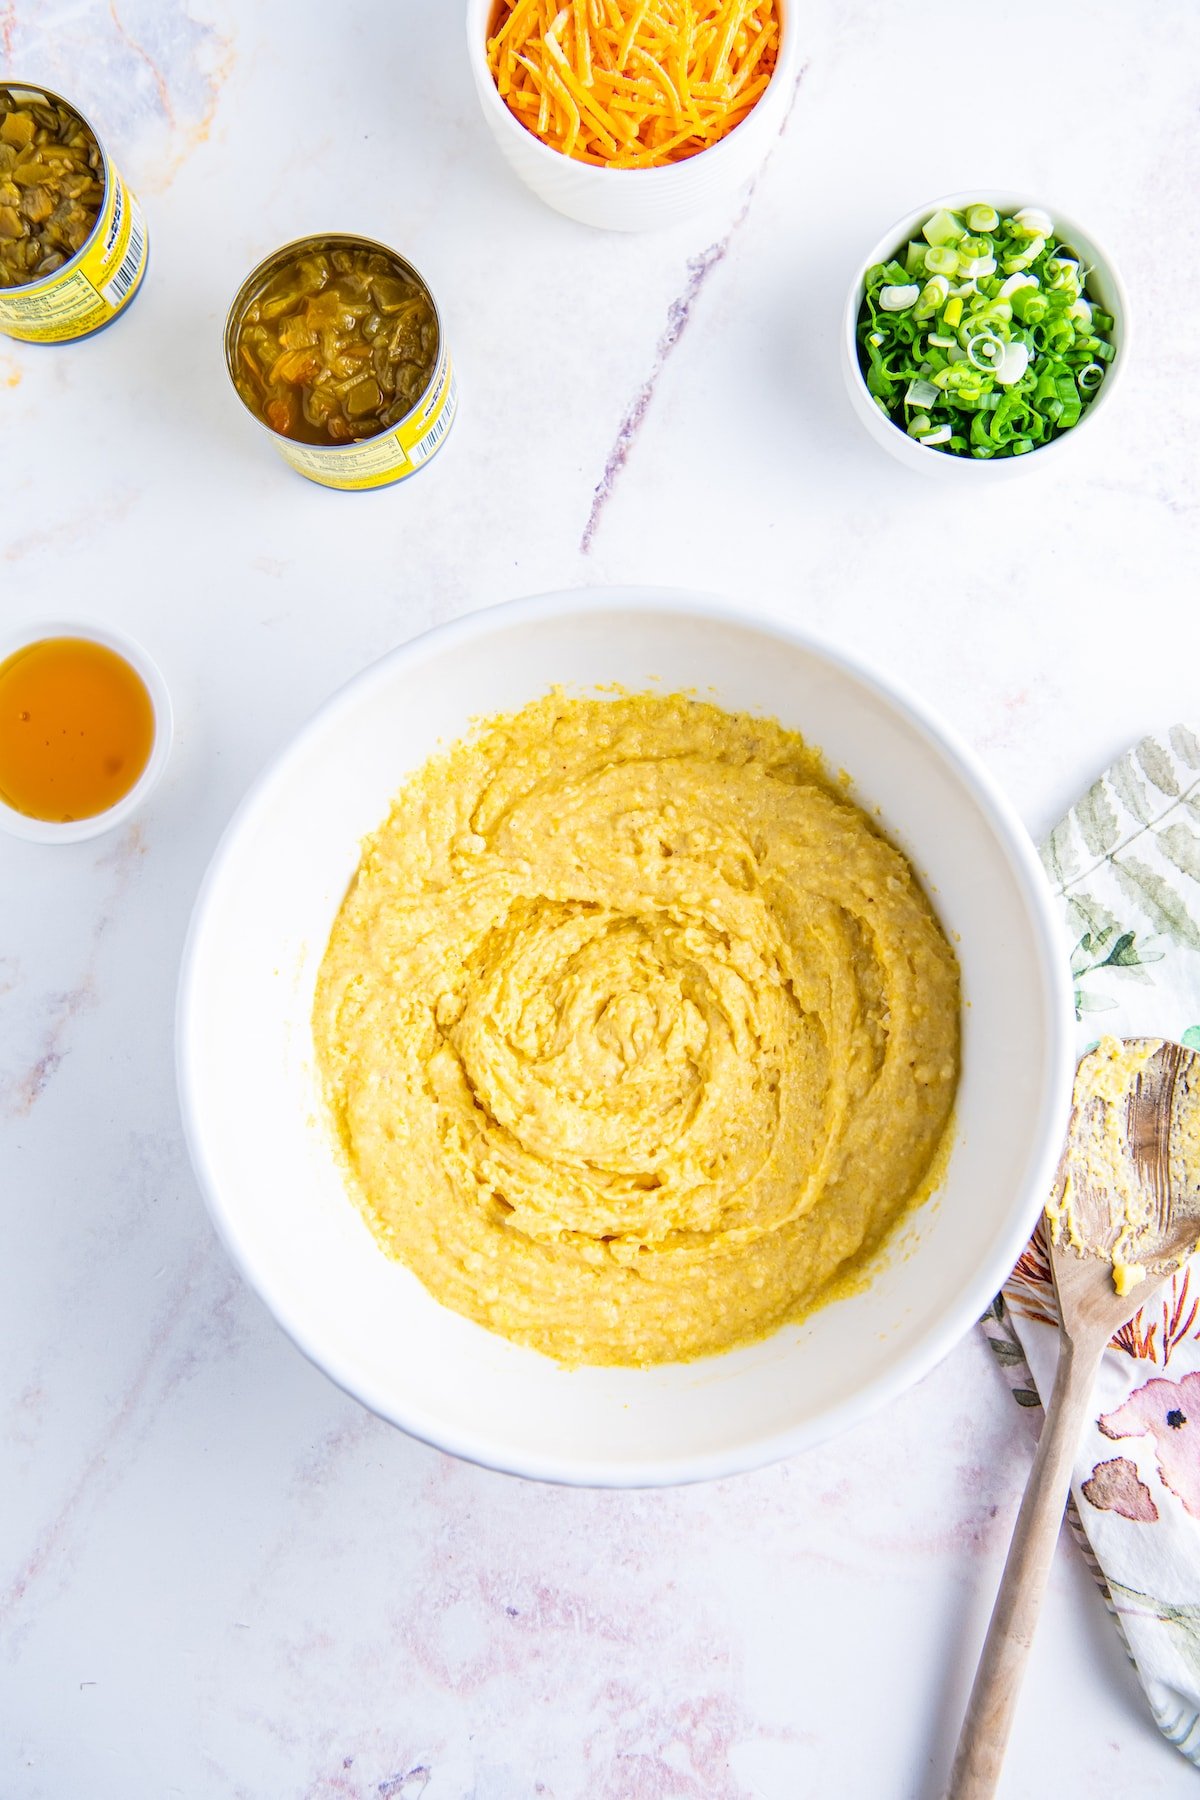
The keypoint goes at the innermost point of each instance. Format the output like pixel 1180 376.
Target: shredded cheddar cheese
pixel 632 84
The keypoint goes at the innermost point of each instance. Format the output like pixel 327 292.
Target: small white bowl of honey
pixel 85 730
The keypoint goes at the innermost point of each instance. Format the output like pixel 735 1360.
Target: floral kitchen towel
pixel 1125 863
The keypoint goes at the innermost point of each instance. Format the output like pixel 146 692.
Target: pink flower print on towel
pixel 1117 1487
pixel 1169 1411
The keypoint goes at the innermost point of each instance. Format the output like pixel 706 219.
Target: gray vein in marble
pixel 147 63
pixel 20 1093
pixel 408 1786
pixel 133 1415
pixel 140 51
pixel 679 315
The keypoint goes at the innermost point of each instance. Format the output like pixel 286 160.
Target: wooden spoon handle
pixel 985 1731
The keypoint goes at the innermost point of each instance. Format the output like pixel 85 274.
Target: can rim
pixel 41 281
pixel 255 279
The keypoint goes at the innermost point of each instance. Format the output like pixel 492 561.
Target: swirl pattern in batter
pixel 637 1035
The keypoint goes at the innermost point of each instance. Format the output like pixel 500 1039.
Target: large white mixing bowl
pixel 253 1113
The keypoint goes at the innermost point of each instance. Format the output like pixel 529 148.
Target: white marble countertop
pixel 218 1576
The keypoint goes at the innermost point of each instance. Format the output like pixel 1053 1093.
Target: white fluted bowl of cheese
pixel 631 198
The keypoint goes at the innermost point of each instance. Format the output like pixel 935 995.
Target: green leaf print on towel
pixel 1125 866
pixel 1110 946
pixel 1184 1616
pixel 1158 898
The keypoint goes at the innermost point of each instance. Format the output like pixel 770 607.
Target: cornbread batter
pixel 636 1034
pixel 1106 1075
pixel 1105 1204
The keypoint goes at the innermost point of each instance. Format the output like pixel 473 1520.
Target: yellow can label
pixel 93 287
pixel 393 455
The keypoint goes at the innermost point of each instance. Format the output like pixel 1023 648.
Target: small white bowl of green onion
pixel 983 328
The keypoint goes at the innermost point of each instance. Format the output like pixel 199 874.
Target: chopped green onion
pixel 943 228
pixel 1062 272
pixel 899 299
pixel 985 350
pixel 1021 259
pixel 1033 222
pixel 1012 365
pixel 941 260
pixel 1029 306
pixel 932 296
pixel 978 338
pixel 1072 405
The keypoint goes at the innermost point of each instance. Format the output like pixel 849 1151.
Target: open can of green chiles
pixel 336 346
pixel 73 246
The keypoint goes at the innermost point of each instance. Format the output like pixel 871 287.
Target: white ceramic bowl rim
pixel 478 14
pixel 49 831
pixel 941 1335
pixel 1068 228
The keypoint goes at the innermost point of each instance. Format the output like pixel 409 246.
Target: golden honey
pixel 76 729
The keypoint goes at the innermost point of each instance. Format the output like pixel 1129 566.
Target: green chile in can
pixel 336 346
pixel 73 246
